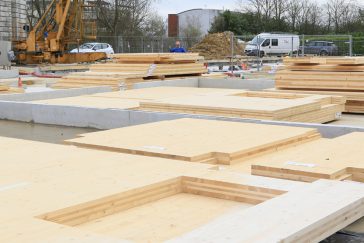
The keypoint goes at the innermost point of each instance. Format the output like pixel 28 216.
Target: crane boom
pixel 62 24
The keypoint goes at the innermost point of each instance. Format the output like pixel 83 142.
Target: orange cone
pixel 20 83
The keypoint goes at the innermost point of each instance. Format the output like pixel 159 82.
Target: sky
pixel 165 7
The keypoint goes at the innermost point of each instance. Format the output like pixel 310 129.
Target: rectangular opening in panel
pixel 161 211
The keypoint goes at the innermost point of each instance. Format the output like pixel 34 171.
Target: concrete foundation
pixel 12 73
pixel 54 94
pixel 222 83
pixel 14 107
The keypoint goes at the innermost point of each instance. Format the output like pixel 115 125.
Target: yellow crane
pixel 64 22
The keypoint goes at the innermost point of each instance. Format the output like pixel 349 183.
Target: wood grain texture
pixel 168 139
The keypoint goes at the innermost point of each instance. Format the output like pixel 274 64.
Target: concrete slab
pixel 186 82
pixel 236 83
pixel 12 73
pixel 54 94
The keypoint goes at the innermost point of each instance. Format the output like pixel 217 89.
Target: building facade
pixel 200 18
pixel 13 17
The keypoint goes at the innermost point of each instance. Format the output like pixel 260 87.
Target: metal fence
pixel 135 44
pixel 299 45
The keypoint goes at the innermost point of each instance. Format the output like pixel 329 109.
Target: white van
pixel 273 44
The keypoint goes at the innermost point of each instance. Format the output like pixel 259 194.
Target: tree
pixel 123 17
pixel 154 26
pixel 35 10
pixel 191 29
pixel 239 23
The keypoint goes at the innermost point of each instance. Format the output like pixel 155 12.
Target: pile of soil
pixel 217 46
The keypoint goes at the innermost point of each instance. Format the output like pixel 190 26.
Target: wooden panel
pixel 279 219
pixel 324 60
pixel 113 197
pixel 167 139
pixel 258 105
pixel 325 75
pixel 354 100
pixel 336 158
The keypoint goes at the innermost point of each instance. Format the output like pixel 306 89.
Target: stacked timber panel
pixel 128 69
pixel 258 105
pixel 341 158
pixel 4 89
pixel 216 102
pixel 325 75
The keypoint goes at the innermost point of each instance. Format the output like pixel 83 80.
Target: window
pixel 266 42
pixel 104 46
pixel 274 42
pixel 97 47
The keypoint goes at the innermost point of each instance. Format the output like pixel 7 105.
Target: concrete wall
pixel 251 84
pixel 12 73
pixel 187 82
pixel 54 94
pixel 114 118
pixel 223 83
pixel 12 19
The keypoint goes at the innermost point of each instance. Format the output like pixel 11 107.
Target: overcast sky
pixel 165 7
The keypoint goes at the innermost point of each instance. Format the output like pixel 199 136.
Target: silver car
pixel 322 48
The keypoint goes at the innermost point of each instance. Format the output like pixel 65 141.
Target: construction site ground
pixel 61 116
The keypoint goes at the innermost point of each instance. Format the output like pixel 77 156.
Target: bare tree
pixel 294 12
pixel 155 26
pixel 191 29
pixel 340 14
pixel 125 17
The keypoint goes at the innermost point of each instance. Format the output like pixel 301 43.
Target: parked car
pixel 272 44
pixel 94 47
pixel 322 48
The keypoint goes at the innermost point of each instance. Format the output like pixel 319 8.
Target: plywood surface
pixel 339 158
pixel 164 219
pixel 130 99
pixel 58 193
pixel 196 140
pixel 37 178
pixel 92 101
pixel 283 215
pixel 166 92
pixel 324 60
pixel 259 105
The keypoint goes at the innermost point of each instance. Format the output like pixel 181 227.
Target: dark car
pixel 322 48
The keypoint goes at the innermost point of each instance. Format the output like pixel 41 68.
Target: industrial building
pixel 201 18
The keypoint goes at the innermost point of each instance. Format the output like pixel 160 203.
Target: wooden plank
pixel 324 60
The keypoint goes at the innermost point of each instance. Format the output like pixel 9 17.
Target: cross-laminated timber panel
pixel 258 105
pixel 197 140
pixel 130 99
pixel 325 60
pixel 354 100
pixel 340 158
pixel 42 194
pixel 325 75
